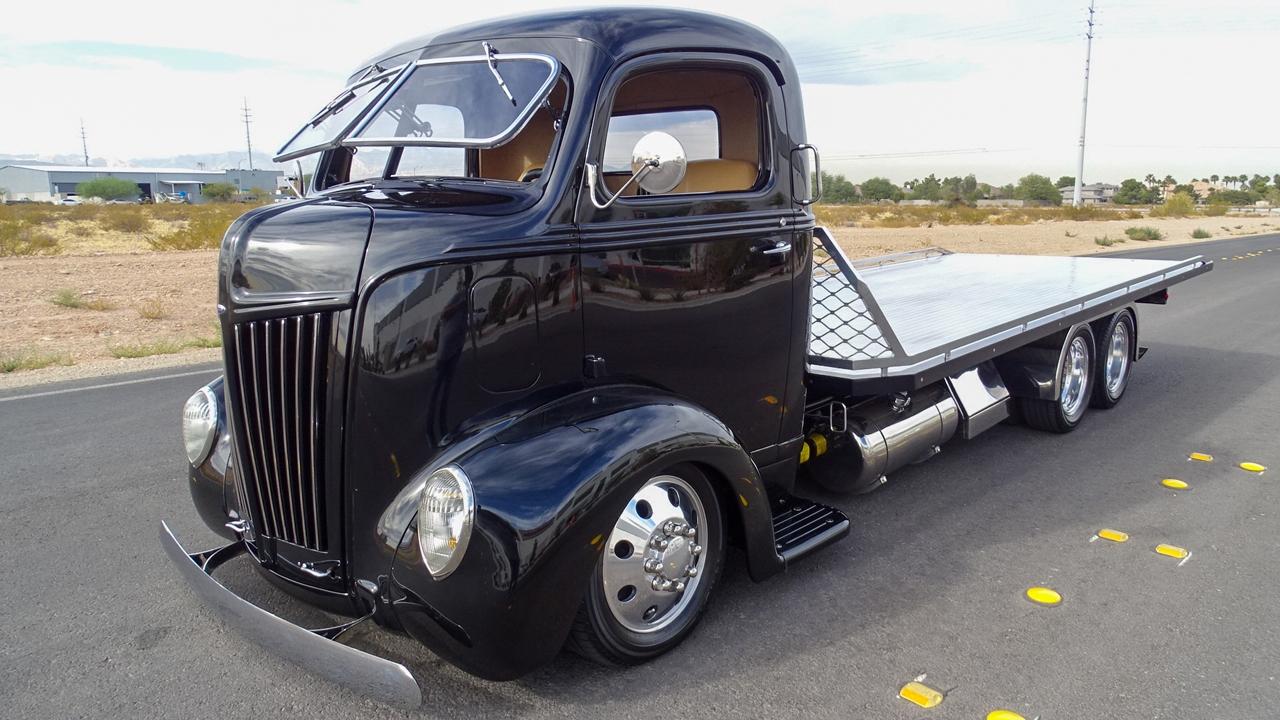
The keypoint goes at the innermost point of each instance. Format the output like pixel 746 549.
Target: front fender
pixel 548 488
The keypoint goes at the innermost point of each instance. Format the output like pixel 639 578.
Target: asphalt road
pixel 97 624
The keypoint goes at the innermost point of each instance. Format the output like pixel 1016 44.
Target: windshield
pixel 479 101
pixel 337 116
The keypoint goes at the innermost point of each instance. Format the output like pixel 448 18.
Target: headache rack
pixel 903 321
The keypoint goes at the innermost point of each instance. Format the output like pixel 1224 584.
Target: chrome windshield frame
pixel 394 73
pixel 351 137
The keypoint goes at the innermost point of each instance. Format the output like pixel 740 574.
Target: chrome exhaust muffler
pixel 882 435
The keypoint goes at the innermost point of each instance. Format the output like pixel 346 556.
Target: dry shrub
pixel 203 231
pixel 19 237
pixel 66 297
pixel 152 309
pixel 125 219
pixel 88 211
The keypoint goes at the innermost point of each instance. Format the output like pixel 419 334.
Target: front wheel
pixel 656 573
pixel 1075 386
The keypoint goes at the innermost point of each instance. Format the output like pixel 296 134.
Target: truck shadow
pixel 921 531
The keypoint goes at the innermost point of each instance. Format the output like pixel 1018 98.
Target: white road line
pixel 170 376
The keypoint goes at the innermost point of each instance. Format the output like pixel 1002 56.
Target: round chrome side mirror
pixel 664 157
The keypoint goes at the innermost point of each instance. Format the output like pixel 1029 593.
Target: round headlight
pixel 200 424
pixel 446 511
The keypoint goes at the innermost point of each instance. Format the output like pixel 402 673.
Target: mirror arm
pixel 593 182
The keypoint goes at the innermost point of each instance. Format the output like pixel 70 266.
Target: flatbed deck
pixel 906 320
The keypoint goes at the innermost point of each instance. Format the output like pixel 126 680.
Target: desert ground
pixel 108 301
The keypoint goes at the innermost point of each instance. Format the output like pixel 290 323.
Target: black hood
pixel 315 250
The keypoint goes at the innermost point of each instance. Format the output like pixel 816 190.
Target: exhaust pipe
pixel 882 435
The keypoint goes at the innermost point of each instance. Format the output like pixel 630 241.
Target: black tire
pixel 1105 395
pixel 1053 415
pixel 599 636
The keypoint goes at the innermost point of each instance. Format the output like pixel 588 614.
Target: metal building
pixel 52 183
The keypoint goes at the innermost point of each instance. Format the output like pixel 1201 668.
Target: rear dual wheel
pixel 1114 363
pixel 656 573
pixel 1075 387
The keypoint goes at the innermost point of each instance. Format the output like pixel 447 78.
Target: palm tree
pixel 1213 178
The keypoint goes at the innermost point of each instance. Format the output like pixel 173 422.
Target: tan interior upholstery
pixel 733 98
pixel 529 149
pixel 717 176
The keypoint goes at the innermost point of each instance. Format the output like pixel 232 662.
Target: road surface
pixel 97 623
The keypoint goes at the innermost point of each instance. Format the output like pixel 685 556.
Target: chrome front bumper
pixel 313 650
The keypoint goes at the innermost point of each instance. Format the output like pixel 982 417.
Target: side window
pixel 697 130
pixel 717 115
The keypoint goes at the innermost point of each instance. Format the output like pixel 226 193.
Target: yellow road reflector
pixel 1113 535
pixel 920 694
pixel 1172 551
pixel 1174 484
pixel 1202 457
pixel 1253 467
pixel 1044 596
pixel 1004 715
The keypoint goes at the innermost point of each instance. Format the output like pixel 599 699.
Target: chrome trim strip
pixel 263 480
pixel 313 429
pixel 297 426
pixel 352 137
pixel 370 675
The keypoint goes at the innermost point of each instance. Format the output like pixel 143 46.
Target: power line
pixel 1084 111
pixel 247 142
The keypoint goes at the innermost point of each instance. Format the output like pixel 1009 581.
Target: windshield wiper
pixel 489 52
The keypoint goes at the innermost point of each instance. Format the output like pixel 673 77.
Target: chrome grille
pixel 280 367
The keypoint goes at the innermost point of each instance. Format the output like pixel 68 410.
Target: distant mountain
pixel 33 159
pixel 211 161
pixel 194 161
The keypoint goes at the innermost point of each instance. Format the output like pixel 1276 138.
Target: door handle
pixel 780 248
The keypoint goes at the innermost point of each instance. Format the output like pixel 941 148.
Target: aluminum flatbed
pixel 903 321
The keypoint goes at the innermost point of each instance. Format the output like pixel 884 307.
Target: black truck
pixel 552 326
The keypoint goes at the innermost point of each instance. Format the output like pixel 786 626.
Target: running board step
pixel 802 526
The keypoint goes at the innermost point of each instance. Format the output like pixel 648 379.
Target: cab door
pixel 692 290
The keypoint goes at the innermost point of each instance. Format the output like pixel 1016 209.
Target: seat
pixel 718 176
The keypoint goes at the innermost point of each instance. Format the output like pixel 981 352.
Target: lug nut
pixel 659 544
pixel 695 549
pixel 652 566
pixel 690 532
pixel 691 572
pixel 656 584
pixel 678 586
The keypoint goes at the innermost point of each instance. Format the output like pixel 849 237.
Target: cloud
pixel 918 86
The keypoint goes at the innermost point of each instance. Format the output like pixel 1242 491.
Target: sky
pixel 903 89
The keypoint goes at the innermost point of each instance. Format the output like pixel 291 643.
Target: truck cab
pixel 551 327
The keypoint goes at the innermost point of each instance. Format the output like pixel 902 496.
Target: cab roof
pixel 620 32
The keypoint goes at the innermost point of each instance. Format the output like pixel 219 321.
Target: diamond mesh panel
pixel 840 324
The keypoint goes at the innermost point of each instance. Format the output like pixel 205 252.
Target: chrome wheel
pixel 1075 379
pixel 1116 370
pixel 653 562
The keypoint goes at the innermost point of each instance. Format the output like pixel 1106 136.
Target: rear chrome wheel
pixel 656 572
pixel 1115 360
pixel 1076 377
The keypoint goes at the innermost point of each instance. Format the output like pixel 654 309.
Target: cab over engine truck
pixel 553 325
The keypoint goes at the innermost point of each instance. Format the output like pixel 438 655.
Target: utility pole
pixel 1084 110
pixel 247 142
pixel 84 143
